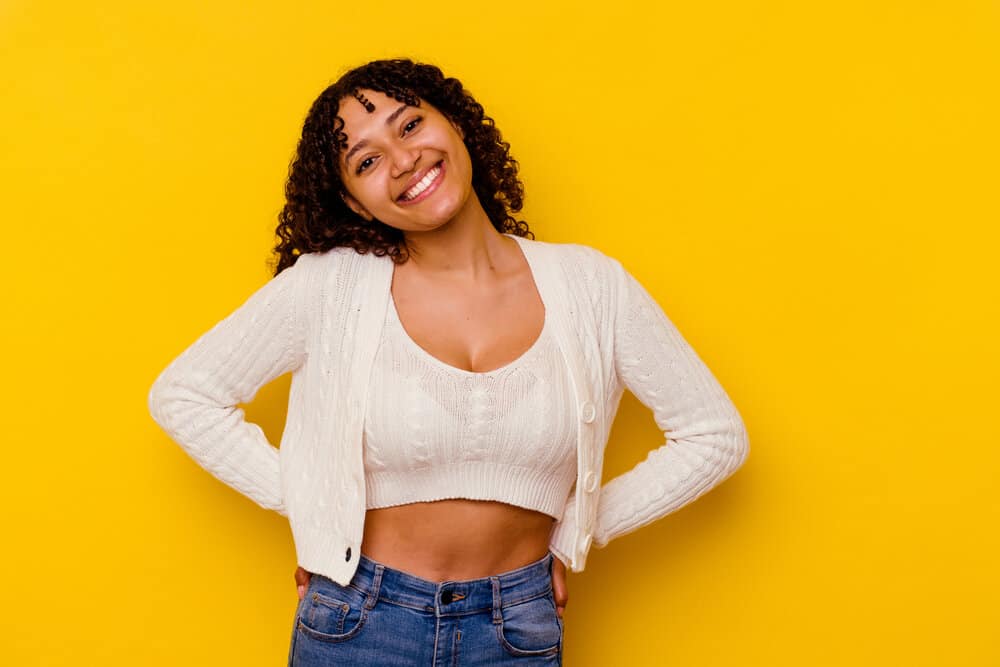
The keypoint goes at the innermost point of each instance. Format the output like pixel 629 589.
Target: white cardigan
pixel 320 320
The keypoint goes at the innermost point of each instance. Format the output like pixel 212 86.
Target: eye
pixel 363 165
pixel 412 122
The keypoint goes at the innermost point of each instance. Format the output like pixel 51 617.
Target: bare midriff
pixel 456 539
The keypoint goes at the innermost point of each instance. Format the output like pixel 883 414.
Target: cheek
pixel 465 160
pixel 372 192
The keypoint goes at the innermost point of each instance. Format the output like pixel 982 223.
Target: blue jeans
pixel 393 618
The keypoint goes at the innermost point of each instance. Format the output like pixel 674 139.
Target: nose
pixel 403 160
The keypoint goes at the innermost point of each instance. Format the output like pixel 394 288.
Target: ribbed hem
pixel 563 539
pixel 324 552
pixel 563 558
pixel 477 480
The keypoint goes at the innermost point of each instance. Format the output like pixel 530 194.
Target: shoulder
pixel 333 260
pixel 317 277
pixel 578 258
pixel 586 274
pixel 325 257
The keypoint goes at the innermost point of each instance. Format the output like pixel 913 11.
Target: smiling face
pixel 404 166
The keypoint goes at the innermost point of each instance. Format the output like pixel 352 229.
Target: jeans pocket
pixel 531 627
pixel 331 612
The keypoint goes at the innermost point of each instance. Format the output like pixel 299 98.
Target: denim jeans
pixel 389 617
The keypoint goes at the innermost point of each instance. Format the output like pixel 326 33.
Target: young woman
pixel 454 382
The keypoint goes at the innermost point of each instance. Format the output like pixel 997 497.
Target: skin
pixel 467 297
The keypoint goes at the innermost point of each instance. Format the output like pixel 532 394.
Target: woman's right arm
pixel 195 398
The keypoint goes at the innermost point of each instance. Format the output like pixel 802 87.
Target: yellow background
pixel 808 189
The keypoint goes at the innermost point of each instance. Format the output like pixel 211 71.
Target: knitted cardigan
pixel 320 318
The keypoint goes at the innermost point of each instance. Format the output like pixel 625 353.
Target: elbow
pixel 162 399
pixel 157 402
pixel 740 443
pixel 156 399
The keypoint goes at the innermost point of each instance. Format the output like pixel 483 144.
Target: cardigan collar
pixel 543 269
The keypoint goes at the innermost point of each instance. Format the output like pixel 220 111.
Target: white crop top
pixel 435 431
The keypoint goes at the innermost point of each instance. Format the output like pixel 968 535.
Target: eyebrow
pixel 364 142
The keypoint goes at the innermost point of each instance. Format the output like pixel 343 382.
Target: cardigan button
pixel 590 481
pixel 347 556
pixel 587 412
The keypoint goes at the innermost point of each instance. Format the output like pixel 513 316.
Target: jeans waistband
pixel 448 598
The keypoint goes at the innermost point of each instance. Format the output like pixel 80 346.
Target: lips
pixel 420 184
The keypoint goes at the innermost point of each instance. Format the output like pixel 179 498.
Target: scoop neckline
pixel 455 369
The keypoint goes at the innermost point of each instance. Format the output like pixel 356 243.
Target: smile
pixel 427 185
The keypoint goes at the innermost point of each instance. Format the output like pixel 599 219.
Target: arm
pixel 194 399
pixel 705 437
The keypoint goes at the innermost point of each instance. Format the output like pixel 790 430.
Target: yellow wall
pixel 809 189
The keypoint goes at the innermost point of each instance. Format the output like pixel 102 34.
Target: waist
pixel 456 538
pixel 449 597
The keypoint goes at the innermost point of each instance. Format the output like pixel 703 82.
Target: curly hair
pixel 315 218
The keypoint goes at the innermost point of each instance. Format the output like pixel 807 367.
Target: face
pixel 404 166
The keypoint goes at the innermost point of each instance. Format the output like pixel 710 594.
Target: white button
pixel 590 481
pixel 585 542
pixel 587 412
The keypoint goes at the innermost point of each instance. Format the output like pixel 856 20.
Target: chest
pixel 475 330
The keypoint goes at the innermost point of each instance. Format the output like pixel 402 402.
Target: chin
pixel 443 213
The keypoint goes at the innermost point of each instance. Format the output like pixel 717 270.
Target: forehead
pixel 369 107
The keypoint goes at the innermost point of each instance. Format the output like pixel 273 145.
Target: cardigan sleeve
pixel 705 439
pixel 194 399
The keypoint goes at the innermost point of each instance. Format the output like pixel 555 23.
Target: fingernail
pixel 302 591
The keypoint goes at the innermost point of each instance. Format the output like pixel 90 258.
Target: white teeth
pixel 423 184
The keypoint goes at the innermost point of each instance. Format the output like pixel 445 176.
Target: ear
pixel 356 206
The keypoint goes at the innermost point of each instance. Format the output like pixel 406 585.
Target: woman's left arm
pixel 705 437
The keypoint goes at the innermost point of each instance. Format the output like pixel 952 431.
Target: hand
pixel 302 577
pixel 559 585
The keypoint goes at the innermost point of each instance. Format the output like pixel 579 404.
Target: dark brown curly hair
pixel 315 218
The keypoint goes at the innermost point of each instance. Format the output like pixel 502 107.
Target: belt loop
pixel 497 601
pixel 376 585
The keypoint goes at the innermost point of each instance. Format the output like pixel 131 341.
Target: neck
pixel 468 247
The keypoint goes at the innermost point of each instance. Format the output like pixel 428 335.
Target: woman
pixel 454 383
